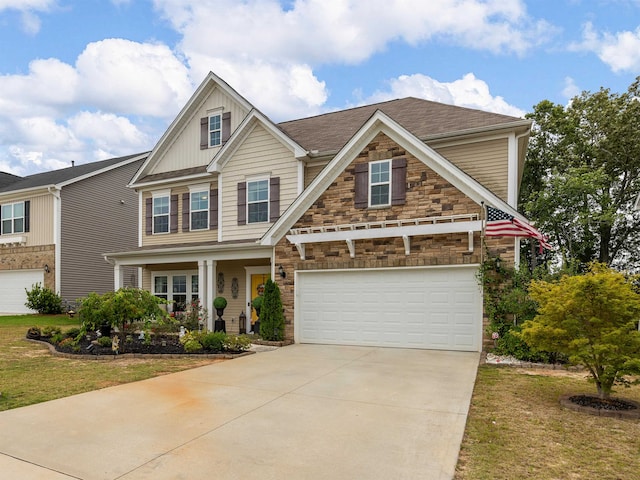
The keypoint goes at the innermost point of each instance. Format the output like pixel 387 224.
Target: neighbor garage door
pixel 12 289
pixel 431 308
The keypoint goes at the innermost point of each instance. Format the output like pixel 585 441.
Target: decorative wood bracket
pixel 407 244
pixel 470 241
pixel 300 247
pixel 352 248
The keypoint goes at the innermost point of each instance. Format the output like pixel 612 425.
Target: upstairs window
pixel 199 210
pixel 258 201
pixel 215 130
pixel 161 214
pixel 380 183
pixel 13 218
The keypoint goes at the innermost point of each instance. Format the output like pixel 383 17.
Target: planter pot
pixel 256 327
pixel 105 330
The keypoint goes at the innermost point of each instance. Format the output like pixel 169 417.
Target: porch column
pixel 118 277
pixel 211 274
pixel 202 286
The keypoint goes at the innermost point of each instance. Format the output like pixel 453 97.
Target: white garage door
pixel 431 308
pixel 12 289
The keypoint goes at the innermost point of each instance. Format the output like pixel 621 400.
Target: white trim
pixel 220 233
pixel 200 187
pixel 13 240
pixel 371 184
pixel 206 188
pixel 57 234
pixel 166 192
pixel 214 113
pixel 141 218
pixel 154 197
pixel 301 170
pixel 512 171
pixel 257 179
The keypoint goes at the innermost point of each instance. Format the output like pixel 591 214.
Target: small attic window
pixel 215 130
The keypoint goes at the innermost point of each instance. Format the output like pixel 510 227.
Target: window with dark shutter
pixel 27 215
pixel 242 203
pixel 173 214
pixel 213 209
pixel 361 196
pixel 399 181
pixel 186 199
pixel 274 199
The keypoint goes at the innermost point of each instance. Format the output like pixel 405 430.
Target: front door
pixel 257 277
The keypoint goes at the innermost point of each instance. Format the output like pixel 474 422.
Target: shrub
pixel 56 338
pixel 257 303
pixel 220 303
pixel 235 343
pixel 195 314
pixel 50 330
pixel 271 316
pixel 192 345
pixel 213 341
pixel 72 332
pixel 104 341
pixel 67 342
pixel 43 300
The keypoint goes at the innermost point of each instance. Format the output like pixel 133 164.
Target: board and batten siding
pixel 99 215
pixel 261 154
pixel 487 162
pixel 179 236
pixel 185 150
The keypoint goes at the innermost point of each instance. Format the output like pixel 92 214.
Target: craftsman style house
pixel 54 227
pixel 369 219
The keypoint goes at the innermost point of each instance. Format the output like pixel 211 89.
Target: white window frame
pixel 190 293
pixel 12 218
pixel 211 131
pixel 375 184
pixel 156 196
pixel 194 190
pixel 267 201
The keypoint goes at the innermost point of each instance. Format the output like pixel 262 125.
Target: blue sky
pixel 83 80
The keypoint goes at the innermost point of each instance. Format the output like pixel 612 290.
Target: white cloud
pixel 570 89
pixel 29 20
pixel 620 51
pixel 110 134
pixel 468 91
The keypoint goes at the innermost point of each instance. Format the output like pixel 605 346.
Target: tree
pixel 591 318
pixel 582 176
pixel 271 316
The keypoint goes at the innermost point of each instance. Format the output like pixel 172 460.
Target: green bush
pixel 220 303
pixel 192 345
pixel 235 343
pixel 50 330
pixel 72 332
pixel 56 338
pixel 213 341
pixel 34 332
pixel 43 300
pixel 271 316
pixel 104 341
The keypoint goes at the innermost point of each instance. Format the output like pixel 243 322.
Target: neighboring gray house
pixel 54 227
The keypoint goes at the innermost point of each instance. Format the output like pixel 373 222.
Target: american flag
pixel 502 223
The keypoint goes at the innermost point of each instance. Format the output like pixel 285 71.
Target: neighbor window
pixel 160 287
pixel 258 201
pixel 215 130
pixel 161 214
pixel 379 183
pixel 200 210
pixel 13 218
pixel 179 291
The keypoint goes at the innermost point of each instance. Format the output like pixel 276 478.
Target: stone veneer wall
pixel 30 258
pixel 428 194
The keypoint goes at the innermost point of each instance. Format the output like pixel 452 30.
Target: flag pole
pixel 482 227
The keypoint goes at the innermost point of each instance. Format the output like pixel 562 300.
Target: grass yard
pixel 30 374
pixel 516 429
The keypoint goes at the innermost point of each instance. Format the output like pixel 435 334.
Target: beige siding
pixel 179 236
pixel 185 151
pixel 41 215
pixel 311 172
pixel 260 154
pixel 487 162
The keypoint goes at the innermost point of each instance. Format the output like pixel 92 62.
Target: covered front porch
pixel 191 274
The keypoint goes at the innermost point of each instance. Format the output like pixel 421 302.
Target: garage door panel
pixel 436 308
pixel 13 284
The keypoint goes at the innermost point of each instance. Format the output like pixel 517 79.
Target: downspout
pixel 57 235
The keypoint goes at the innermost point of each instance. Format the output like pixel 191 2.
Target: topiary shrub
pixel 43 300
pixel 271 316
pixel 220 303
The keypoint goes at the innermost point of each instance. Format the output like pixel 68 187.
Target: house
pixel 55 226
pixel 369 219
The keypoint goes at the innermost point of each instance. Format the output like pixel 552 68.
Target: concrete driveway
pixel 299 412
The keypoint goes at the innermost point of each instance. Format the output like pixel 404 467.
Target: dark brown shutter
pixel 204 133
pixel 186 199
pixel 226 127
pixel 361 185
pixel 148 216
pixel 398 181
pixel 274 199
pixel 173 214
pixel 213 209
pixel 27 213
pixel 242 203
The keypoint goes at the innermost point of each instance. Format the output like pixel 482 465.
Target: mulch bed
pixel 603 407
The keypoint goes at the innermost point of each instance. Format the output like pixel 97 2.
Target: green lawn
pixel 30 374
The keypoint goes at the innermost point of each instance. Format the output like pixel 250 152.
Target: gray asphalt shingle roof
pixel 58 176
pixel 331 131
